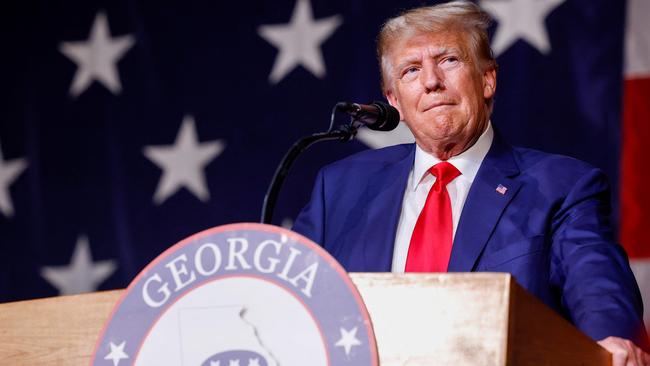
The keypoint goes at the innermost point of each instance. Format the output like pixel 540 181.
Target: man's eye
pixel 411 70
pixel 450 60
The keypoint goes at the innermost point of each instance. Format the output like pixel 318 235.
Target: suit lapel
pixel 484 205
pixel 384 196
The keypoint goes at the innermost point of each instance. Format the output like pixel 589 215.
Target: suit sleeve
pixel 311 220
pixel 598 288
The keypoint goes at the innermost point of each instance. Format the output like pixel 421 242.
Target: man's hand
pixel 625 352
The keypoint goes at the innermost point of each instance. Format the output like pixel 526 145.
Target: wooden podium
pixel 419 319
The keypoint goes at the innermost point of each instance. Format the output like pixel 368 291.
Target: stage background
pixel 126 126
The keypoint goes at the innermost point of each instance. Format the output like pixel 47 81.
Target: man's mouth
pixel 435 105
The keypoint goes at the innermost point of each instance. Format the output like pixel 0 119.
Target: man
pixel 461 199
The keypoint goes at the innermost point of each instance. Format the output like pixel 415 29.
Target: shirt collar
pixel 466 162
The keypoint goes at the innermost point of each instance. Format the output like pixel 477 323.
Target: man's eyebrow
pixel 431 52
pixel 408 60
pixel 441 51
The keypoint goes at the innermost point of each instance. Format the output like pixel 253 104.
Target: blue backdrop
pixel 126 126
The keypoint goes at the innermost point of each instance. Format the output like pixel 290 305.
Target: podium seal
pixel 240 295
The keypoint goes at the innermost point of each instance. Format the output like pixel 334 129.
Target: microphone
pixel 378 116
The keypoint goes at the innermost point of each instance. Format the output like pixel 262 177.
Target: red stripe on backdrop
pixel 635 169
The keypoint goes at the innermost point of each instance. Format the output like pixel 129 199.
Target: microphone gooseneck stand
pixel 344 133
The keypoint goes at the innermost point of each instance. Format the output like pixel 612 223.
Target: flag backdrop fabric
pixel 634 195
pixel 126 126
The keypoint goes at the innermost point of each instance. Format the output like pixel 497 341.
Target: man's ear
pixel 392 100
pixel 489 83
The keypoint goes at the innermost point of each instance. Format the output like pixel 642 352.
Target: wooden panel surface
pixel 459 319
pixel 54 331
pixel 540 337
pixel 438 319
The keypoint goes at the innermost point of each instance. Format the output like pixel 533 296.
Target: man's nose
pixel 432 78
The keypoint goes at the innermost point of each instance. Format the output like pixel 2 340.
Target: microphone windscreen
pixel 388 119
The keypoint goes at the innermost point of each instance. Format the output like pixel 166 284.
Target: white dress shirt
pixel 420 182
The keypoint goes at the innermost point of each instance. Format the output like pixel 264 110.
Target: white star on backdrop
pixel 299 41
pixel 520 19
pixel 183 163
pixel 215 363
pixel 233 363
pixel 287 223
pixel 97 57
pixel 82 274
pixel 378 139
pixel 117 353
pixel 253 362
pixel 348 340
pixel 9 172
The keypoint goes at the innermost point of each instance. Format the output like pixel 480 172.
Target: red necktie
pixel 430 246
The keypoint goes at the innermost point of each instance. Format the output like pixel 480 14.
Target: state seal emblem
pixel 240 295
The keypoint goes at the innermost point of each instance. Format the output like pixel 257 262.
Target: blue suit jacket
pixel 550 229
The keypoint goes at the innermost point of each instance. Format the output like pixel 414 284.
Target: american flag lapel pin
pixel 502 189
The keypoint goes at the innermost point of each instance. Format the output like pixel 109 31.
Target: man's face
pixel 440 91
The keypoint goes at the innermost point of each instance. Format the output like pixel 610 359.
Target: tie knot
pixel 444 172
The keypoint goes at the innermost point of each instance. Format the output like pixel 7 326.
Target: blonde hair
pixel 461 16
